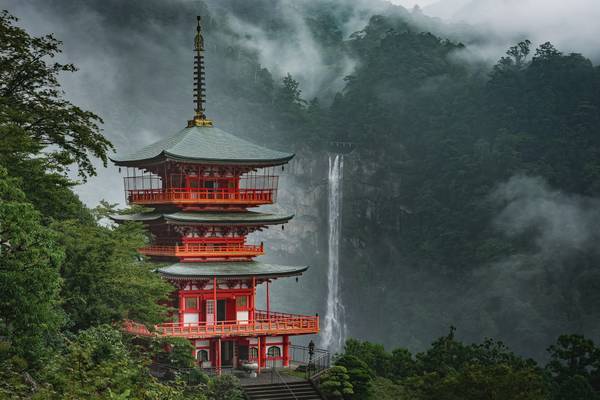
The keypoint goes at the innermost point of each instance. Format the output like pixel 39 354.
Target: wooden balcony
pixel 274 324
pixel 198 250
pixel 239 197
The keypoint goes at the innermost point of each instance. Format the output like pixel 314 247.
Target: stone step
pixel 279 391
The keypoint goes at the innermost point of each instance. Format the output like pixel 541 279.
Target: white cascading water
pixel 334 332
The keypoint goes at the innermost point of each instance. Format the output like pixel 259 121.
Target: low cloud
pixel 559 222
pixel 572 26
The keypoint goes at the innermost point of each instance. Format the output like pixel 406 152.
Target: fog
pixel 135 61
pixel 572 26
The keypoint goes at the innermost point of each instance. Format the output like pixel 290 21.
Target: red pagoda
pixel 199 185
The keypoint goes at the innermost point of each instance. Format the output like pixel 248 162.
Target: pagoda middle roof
pixel 204 145
pixel 221 218
pixel 229 270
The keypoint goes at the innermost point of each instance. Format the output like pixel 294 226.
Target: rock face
pixel 303 241
pixel 370 264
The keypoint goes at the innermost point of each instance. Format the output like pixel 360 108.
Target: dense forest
pixel 470 201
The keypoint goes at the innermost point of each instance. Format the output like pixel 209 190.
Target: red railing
pixel 204 250
pixel 202 196
pixel 279 323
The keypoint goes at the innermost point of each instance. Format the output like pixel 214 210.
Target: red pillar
pixel 181 306
pixel 263 350
pixel 286 351
pixel 215 302
pixel 251 317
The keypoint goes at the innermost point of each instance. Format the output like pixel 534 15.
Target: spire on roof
pixel 199 89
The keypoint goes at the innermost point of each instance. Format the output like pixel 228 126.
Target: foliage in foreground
pixel 100 363
pixel 452 370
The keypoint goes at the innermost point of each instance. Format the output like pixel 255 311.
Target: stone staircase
pixel 301 390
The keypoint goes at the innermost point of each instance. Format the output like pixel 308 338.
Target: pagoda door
pixel 221 310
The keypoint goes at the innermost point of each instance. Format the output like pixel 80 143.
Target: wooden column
pixel 264 351
pixel 181 306
pixel 286 351
pixel 252 299
pixel 215 301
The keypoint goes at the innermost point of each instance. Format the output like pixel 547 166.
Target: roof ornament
pixel 199 89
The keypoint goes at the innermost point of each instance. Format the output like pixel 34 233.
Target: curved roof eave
pixel 230 270
pixel 204 145
pixel 248 218
pixel 164 156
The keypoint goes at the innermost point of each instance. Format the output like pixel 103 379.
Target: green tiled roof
pixel 230 269
pixel 204 145
pixel 249 217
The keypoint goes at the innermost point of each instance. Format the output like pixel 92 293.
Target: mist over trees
pixel 471 196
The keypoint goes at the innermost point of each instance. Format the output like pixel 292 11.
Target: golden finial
pixel 199 89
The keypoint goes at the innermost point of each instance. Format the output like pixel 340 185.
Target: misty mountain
pixel 469 197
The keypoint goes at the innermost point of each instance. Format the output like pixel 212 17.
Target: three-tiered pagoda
pixel 200 184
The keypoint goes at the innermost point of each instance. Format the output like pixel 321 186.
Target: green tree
pixel 35 119
pixel 402 363
pixel 30 313
pixel 98 363
pixel 372 354
pixel 359 374
pixel 104 279
pixel 289 94
pixel 574 356
pixel 41 134
pixel 386 389
pixel 335 383
pixel 225 387
pixel 575 388
pixel 494 382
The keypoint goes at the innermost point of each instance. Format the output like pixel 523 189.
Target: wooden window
pixel 274 351
pixel 202 355
pixel 210 312
pixel 253 353
pixel 241 301
pixel 191 303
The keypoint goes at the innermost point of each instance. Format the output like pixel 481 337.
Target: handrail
pixel 298 324
pixel 321 366
pixel 199 194
pixel 274 370
pixel 189 249
pixel 315 365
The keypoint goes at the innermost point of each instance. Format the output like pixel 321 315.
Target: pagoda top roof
pixel 239 269
pixel 203 145
pixel 212 218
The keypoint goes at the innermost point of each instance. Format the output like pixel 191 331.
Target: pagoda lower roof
pixel 208 218
pixel 204 145
pixel 245 269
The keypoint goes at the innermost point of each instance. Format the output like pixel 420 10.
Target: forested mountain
pixel 470 198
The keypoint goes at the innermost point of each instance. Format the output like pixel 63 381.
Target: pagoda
pixel 198 186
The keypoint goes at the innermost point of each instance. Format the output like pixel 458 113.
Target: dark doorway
pixel 243 352
pixel 227 353
pixel 221 310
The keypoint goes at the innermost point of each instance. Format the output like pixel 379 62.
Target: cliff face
pixel 303 241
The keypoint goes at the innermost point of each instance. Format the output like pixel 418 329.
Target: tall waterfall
pixel 334 333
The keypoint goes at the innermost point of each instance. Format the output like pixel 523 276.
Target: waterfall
pixel 334 332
